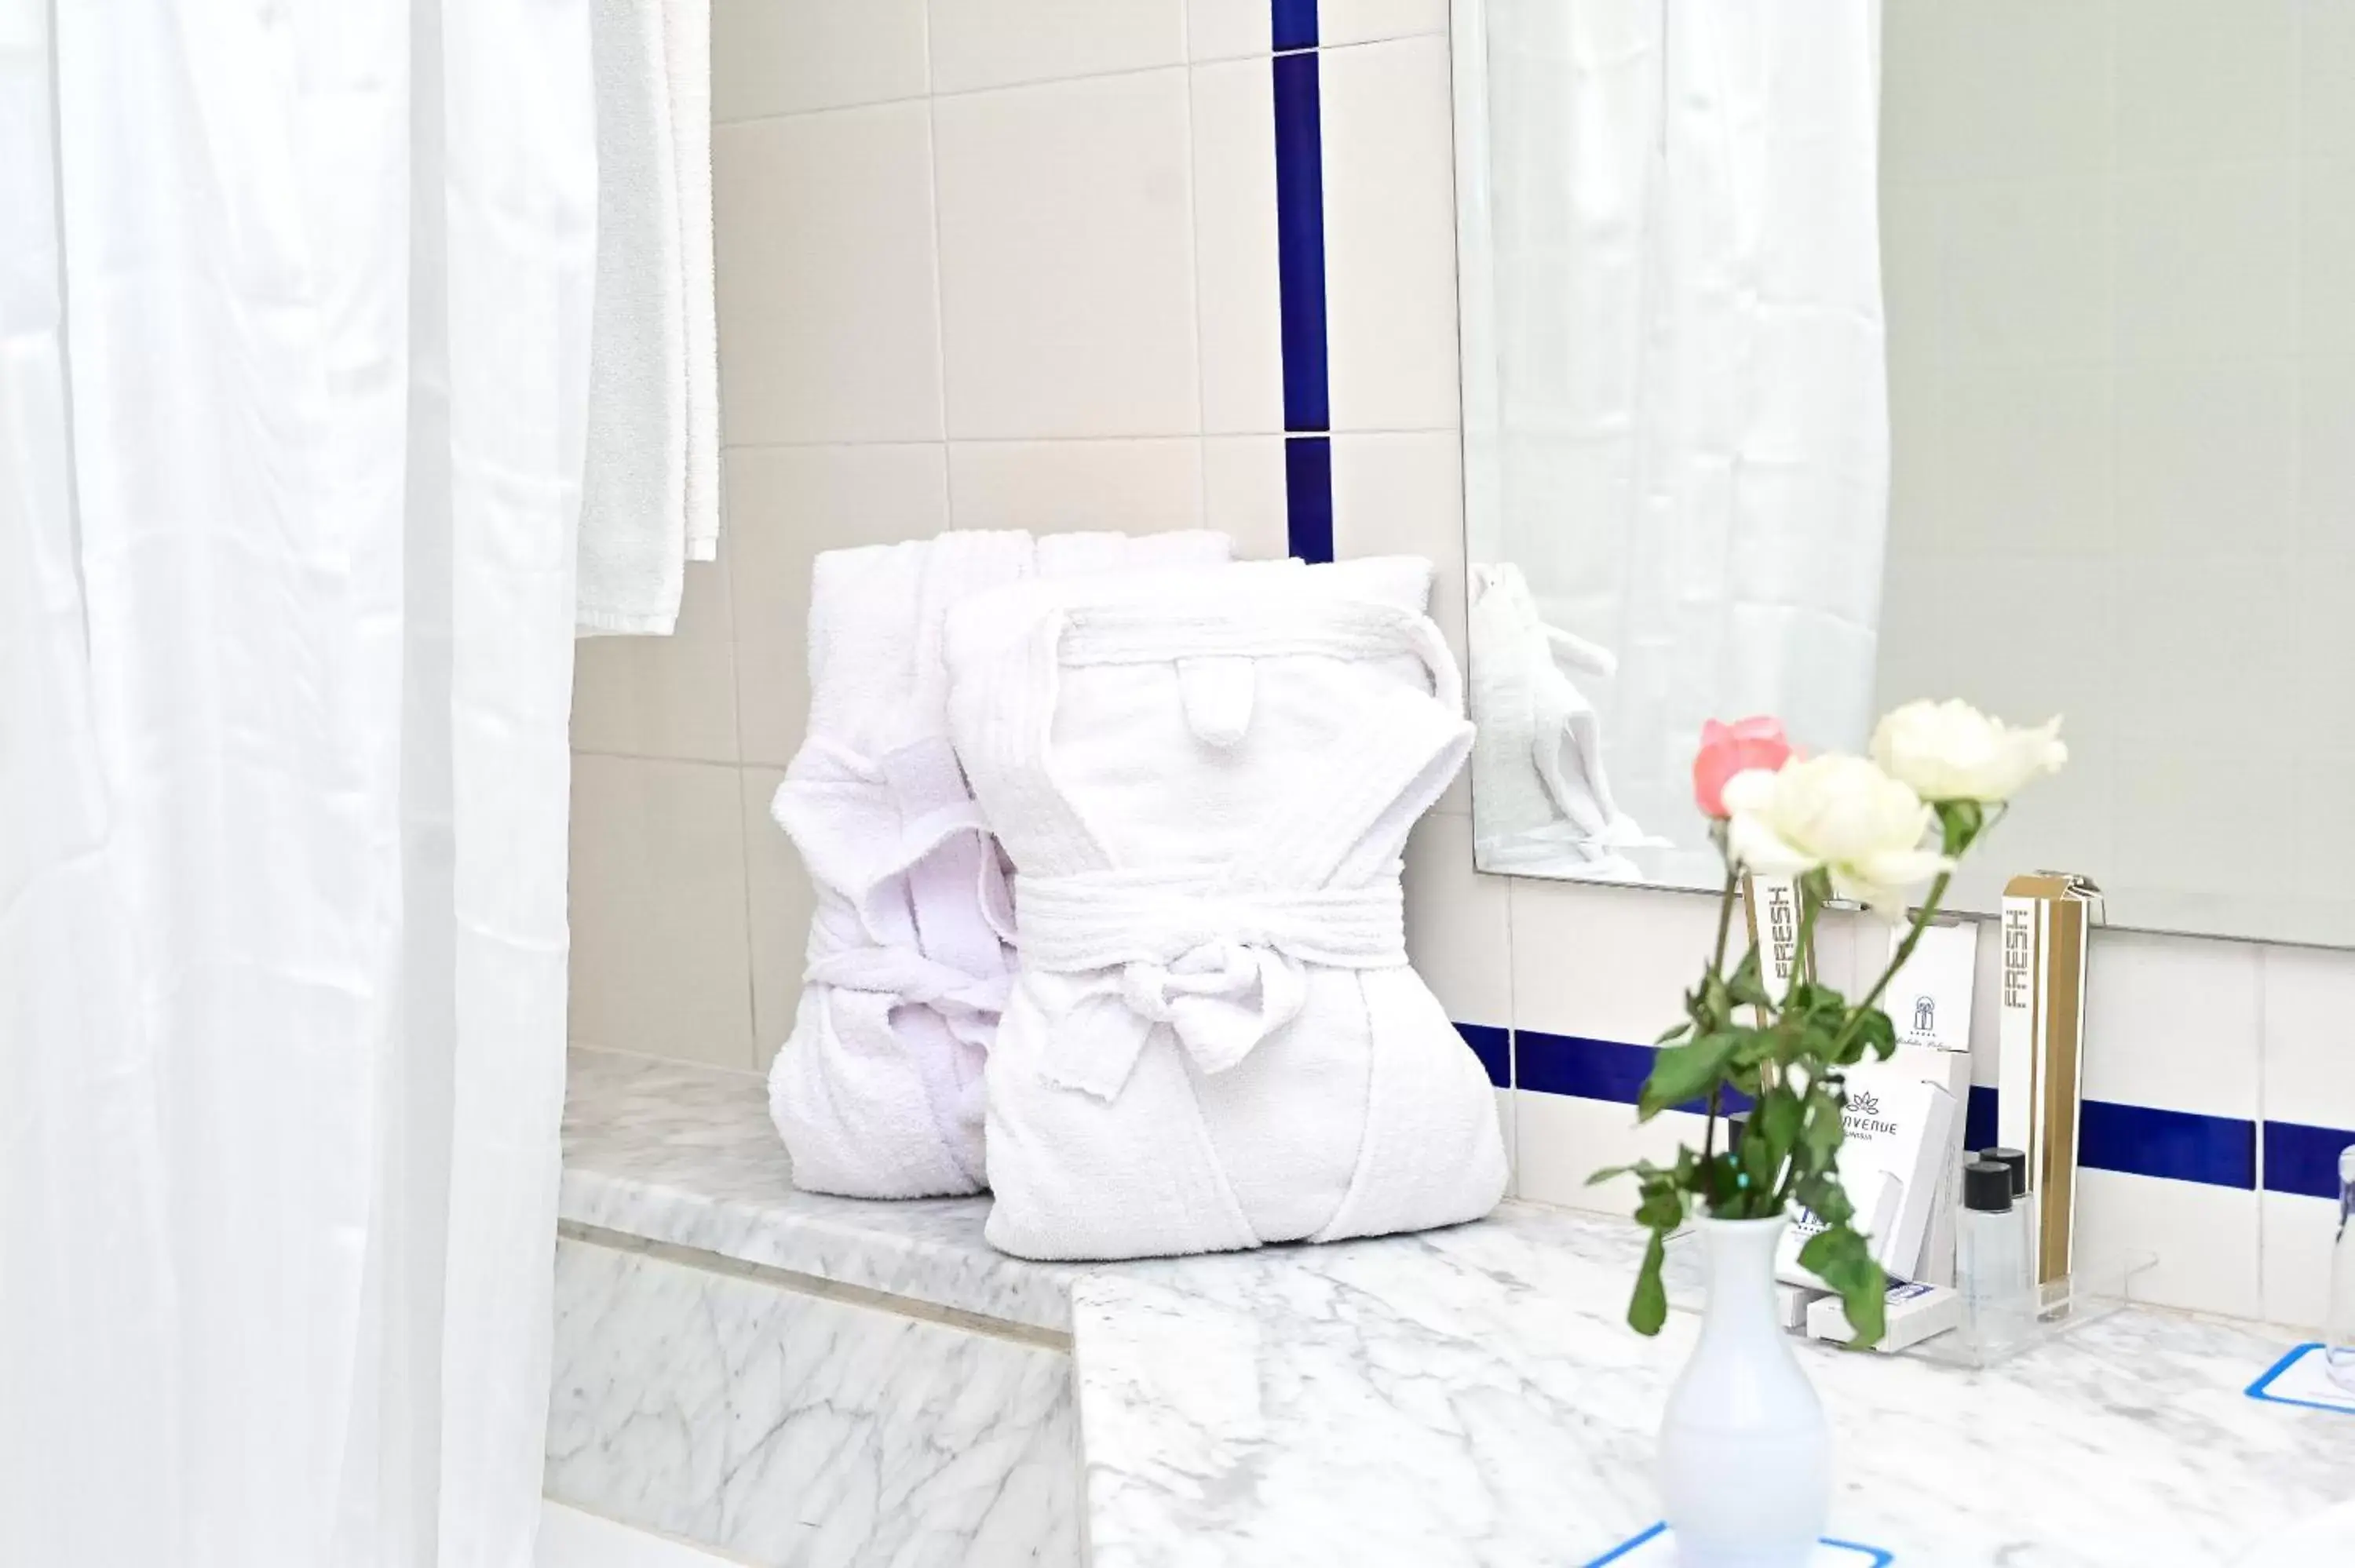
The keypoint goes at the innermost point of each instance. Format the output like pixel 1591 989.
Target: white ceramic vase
pixel 1745 1454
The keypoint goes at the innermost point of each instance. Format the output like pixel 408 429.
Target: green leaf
pixel 1872 1031
pixel 1681 1072
pixel 1608 1173
pixel 1819 1137
pixel 1776 1119
pixel 1672 1035
pixel 1647 1308
pixel 1842 1260
pixel 1662 1207
pixel 1826 1199
pixel 1747 987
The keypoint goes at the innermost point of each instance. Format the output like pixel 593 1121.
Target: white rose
pixel 1841 814
pixel 1951 751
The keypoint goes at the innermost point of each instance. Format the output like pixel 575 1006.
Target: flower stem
pixel 1717 970
pixel 1897 961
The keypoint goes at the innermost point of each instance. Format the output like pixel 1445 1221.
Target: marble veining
pixel 1473 1396
pixel 792 1430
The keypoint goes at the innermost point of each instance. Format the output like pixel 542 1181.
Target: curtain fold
pixel 1688 411
pixel 295 325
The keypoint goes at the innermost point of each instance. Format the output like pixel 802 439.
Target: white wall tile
pixel 1403 495
pixel 2172 1023
pixel 773 58
pixel 1610 963
pixel 2204 81
pixel 1390 235
pixel 1509 1125
pixel 2326 52
pixel 2326 456
pixel 1129 487
pixel 2205 1239
pixel 2202 440
pixel 1998 88
pixel 2022 464
pixel 660 954
pixel 1067 268
pixel 2317 590
pixel 571 1538
pixel 2234 605
pixel 779 901
pixel 1222 29
pixel 998 43
pixel 2327 254
pixel 1560 1140
pixel 1341 22
pixel 2207 261
pixel 2024 269
pixel 663 696
pixel 2309 1035
pixel 1458 924
pixel 1235 246
pixel 784 505
pixel 1243 493
pixel 829 321
pixel 2298 1236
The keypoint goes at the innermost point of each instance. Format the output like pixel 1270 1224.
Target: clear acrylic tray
pixel 2099 1287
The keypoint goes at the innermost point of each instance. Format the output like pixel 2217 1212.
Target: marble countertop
pixel 1474 1396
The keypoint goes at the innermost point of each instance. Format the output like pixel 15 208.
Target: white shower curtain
pixel 294 327
pixel 1689 413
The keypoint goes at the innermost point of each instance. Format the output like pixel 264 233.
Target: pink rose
pixel 1727 749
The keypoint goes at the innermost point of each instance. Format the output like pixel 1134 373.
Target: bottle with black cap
pixel 2016 1162
pixel 1991 1258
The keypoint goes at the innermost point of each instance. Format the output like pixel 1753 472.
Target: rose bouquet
pixel 1866 830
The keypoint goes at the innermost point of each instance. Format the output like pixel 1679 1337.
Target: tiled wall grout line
pixel 1118 74
pixel 1339 433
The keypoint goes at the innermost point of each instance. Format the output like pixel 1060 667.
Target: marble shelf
pixel 1471 1395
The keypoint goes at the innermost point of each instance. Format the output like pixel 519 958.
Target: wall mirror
pixel 1822 356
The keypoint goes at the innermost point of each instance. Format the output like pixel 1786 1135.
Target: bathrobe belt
pixel 1220 967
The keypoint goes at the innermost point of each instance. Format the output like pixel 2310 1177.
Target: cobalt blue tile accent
pixel 2304 1160
pixel 2138 1140
pixel 1308 496
pixel 1978 1118
pixel 1494 1046
pixel 1591 1069
pixel 1300 241
pixel 2143 1140
pixel 1294 24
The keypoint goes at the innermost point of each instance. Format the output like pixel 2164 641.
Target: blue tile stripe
pixel 1294 24
pixel 2144 1140
pixel 2304 1160
pixel 2135 1140
pixel 1300 281
pixel 1591 1069
pixel 1978 1118
pixel 1494 1046
pixel 1308 496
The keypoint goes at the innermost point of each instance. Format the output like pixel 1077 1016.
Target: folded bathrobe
pixel 878 1093
pixel 1214 1039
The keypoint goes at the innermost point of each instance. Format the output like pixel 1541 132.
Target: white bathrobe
pixel 1214 1038
pixel 878 1093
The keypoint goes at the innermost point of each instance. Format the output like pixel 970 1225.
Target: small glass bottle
pixel 1991 1260
pixel 2338 1334
pixel 2016 1162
